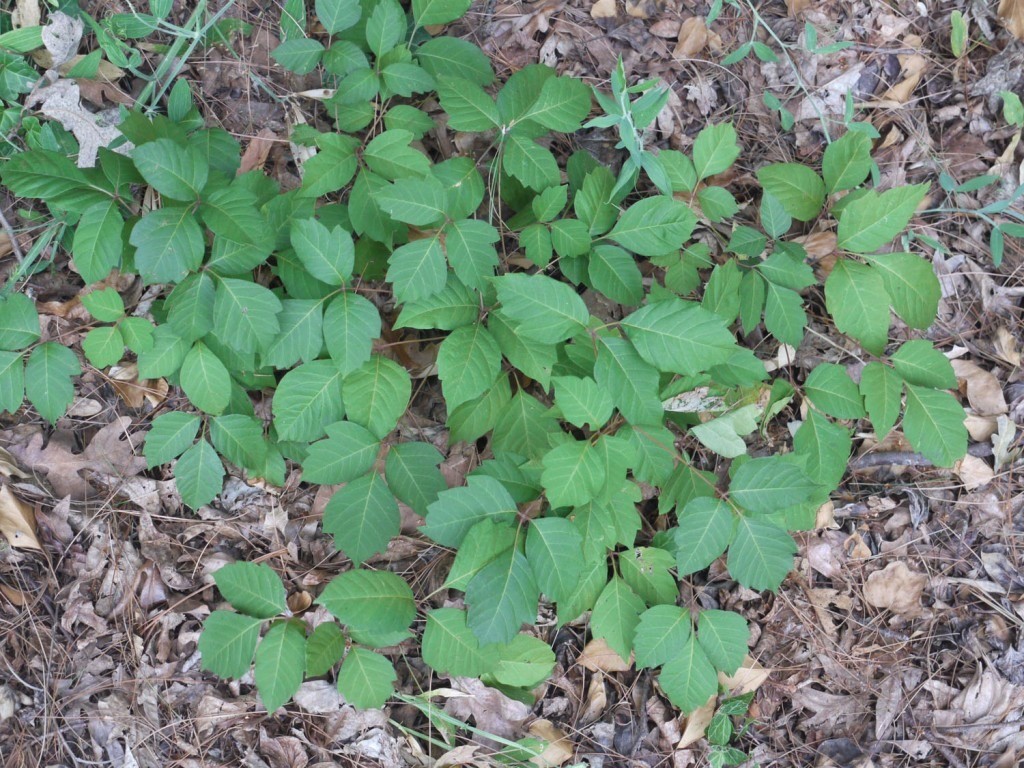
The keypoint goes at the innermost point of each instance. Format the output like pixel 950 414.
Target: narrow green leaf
pixel 280 663
pixel 882 389
pixel 199 475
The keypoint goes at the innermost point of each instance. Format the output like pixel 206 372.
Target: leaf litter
pixel 896 641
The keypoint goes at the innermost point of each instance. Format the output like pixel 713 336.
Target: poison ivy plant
pixel 588 334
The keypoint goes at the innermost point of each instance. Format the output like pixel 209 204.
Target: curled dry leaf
pixel 256 153
pixel 596 656
pixel 603 9
pixel 984 392
pixel 135 392
pixel 896 588
pixel 693 37
pixel 795 6
pixel 559 749
pixel 973 472
pixel 914 67
pixel 1005 344
pixel 1011 12
pixel 62 101
pixel 493 711
pixel 17 521
pixel 61 37
pixel 697 724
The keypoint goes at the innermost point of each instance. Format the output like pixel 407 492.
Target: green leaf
pixel 169 436
pixel 563 104
pixel 717 203
pixel 12 381
pixel 166 354
pixel 473 419
pixel 826 447
pixel 847 161
pixel 51 176
pixel 451 56
pixel 412 474
pixel 455 306
pixel 103 346
pixel 49 371
pixel 328 254
pixel 137 333
pixel 324 649
pixel 529 163
pixel 205 379
pixel 482 544
pixel 654 226
pixel 525 662
pixel 98 242
pixel 532 358
pixel 371 601
pixel 919 363
pixel 784 315
pixel 363 517
pixel 934 425
pixel 389 155
pixel 351 323
pixel 301 336
pixel 724 434
pixel 578 471
pixel 468 362
pixel 799 189
pixel 761 554
pixel 190 306
pixel 502 597
pixel 470 247
pixel 168 245
pixel 299 55
pixel 348 452
pixel 723 635
pixel 912 286
pixel 705 528
pixel 338 15
pixel 239 439
pixel 582 401
pixel 631 382
pixel 366 679
pixel 769 484
pixel 856 298
pixel 467 105
pixel 526 428
pixel 774 217
pixel 175 171
pixel 542 308
pixel 19 322
pixel 417 269
pixel 377 394
pixel 420 202
pixel 882 389
pixel 199 475
pixel 554 549
pixel 832 390
pixel 228 642
pixel 646 571
pixel 252 589
pixel 386 26
pixel 232 212
pixel 662 631
pixel 457 510
pixel 679 337
pixel 331 168
pixel 308 398
pixel 434 12
pixel 245 314
pixel 616 616
pixel 405 80
pixel 614 273
pixel 715 150
pixel 689 679
pixel 450 647
pixel 873 220
pixel 280 663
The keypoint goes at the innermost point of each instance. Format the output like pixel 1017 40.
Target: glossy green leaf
pixel 798 188
pixel 199 475
pixel 919 363
pixel 832 390
pixel 882 390
pixel 377 394
pixel 411 470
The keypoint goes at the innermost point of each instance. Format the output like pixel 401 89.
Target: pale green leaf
pixel 324 649
pixel 679 337
pixel 541 307
pixel 411 470
pixel 723 635
pixel 873 220
pixel 328 254
pixel 348 452
pixel 450 647
pixel 911 284
pixel 921 364
pixel 374 601
pixel 581 401
pixel 366 679
pixel 483 543
pixel 847 161
pixel 630 380
pixel 724 434
pixel 362 517
pixel 48 372
pixel 616 615
pixel 19 322
pixel 228 642
pixel 350 324
pixel 199 475
pixel 646 571
pixel 715 150
pixel 856 298
pixel 769 484
pixel 799 189
pixel 468 362
pixel 459 509
pixel 307 399
pixel 529 163
pixel 654 226
pixel 761 554
pixel 377 394
pixel 705 529
pixel 245 314
pixel 417 269
pixel 301 335
pixel 663 630
pixel 525 662
pixel 832 390
pixel 502 596
pixel 826 448
pixel 934 425
pixel 280 663
pixel 251 588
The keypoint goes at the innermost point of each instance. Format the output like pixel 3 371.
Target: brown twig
pixel 15 245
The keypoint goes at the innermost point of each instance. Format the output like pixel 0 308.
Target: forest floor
pixel 898 639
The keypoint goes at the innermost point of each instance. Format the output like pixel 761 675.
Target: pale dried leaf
pixel 559 749
pixel 464 755
pixel 914 67
pixel 980 428
pixel 26 14
pixel 1005 344
pixel 17 521
pixel 603 9
pixel 693 37
pixel 62 101
pixel 256 153
pixel 795 6
pixel 61 36
pixel 494 712
pixel 984 392
pixel 697 723
pixel 1011 12
pixel 596 656
pixel 973 472
pixel 1002 439
pixel 749 677
pixel 135 392
pixel 897 589
pixel 666 28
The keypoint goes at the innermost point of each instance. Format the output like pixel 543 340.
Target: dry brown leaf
pixel 559 749
pixel 897 589
pixel 16 596
pixel 749 677
pixel 914 67
pixel 641 9
pixel 256 153
pixel 596 656
pixel 604 9
pixel 17 521
pixel 125 381
pixel 974 472
pixel 464 755
pixel 1011 12
pixel 1005 344
pixel 111 452
pixel 9 466
pixel 980 428
pixel 693 37
pixel 666 28
pixel 984 392
pixel 795 6
pixel 493 711
pixel 697 723
pixel 62 101
pixel 818 244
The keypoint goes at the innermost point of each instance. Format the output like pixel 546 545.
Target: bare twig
pixel 15 245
